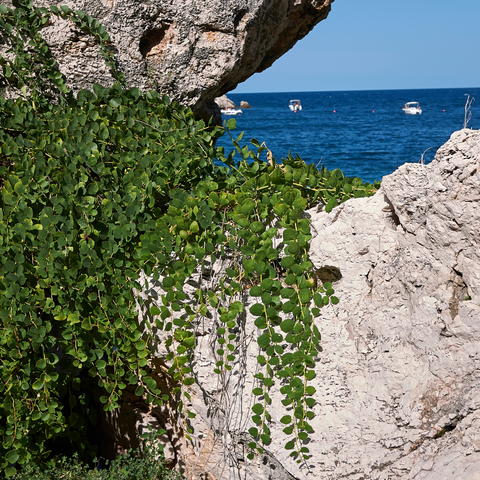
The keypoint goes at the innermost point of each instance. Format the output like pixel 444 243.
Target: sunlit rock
pixel 397 385
pixel 191 50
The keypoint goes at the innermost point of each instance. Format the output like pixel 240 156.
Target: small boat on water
pixel 412 108
pixel 231 111
pixel 295 105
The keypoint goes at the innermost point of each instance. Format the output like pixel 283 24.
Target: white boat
pixel 295 105
pixel 412 108
pixel 231 111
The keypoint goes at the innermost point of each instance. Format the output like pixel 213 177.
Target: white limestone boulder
pixel 398 381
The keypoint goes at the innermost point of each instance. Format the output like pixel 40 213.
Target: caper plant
pixel 100 187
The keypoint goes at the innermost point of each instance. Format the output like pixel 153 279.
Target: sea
pixel 363 133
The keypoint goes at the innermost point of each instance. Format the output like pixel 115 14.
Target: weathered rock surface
pixel 225 102
pixel 191 50
pixel 398 381
pixel 398 390
pixel 244 104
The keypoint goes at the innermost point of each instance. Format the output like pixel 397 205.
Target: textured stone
pixel 225 102
pixel 397 383
pixel 191 50
pixel 403 342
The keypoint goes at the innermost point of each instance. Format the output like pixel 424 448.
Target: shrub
pixel 147 464
pixel 98 187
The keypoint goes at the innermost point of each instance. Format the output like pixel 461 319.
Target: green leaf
pixel 247 250
pixel 10 471
pixel 257 408
pixel 256 291
pixel 72 318
pixel 289 306
pixel 293 248
pixel 257 309
pixel 249 265
pixel 115 102
pixel 287 325
pixel 194 228
pixel 331 204
pixel 12 456
pixel 267 284
pixel 290 445
pixel 37 385
pixel 264 340
pixel 86 324
pixel 290 279
pixel 260 267
pixel 310 390
pixel 280 209
pixel 289 234
pixel 286 419
pixel 257 227
pixel 288 261
pixel 265 438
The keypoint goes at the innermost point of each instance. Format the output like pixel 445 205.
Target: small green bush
pixel 149 464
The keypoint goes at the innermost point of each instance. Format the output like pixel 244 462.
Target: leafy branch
pixel 110 192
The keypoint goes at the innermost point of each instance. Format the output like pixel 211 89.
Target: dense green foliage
pixel 98 187
pixel 147 463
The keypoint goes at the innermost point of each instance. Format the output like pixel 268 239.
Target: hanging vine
pixel 101 187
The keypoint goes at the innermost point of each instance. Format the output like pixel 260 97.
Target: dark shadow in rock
pixel 152 38
pixel 328 273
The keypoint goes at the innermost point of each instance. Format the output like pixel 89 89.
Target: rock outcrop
pixel 398 390
pixel 398 381
pixel 191 50
pixel 225 102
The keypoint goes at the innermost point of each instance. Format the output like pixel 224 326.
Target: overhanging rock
pixel 191 50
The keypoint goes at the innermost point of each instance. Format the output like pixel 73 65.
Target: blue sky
pixel 381 44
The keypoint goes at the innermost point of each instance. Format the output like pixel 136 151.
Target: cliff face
pixel 397 385
pixel 191 50
pixel 398 391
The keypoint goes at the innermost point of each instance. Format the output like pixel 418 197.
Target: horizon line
pixel 352 90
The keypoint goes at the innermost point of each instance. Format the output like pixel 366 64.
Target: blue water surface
pixel 364 133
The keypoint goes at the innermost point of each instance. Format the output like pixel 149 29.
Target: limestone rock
pixel 398 387
pixel 397 384
pixel 191 50
pixel 244 104
pixel 224 102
